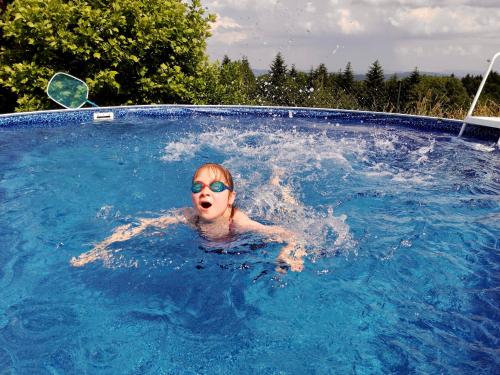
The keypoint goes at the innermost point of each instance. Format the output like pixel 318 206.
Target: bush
pixel 128 51
pixel 438 95
pixel 231 82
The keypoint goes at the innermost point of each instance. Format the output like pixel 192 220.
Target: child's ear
pixel 232 197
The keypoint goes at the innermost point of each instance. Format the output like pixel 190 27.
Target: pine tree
pixel 348 78
pixel 278 78
pixel 375 76
pixel 248 76
pixel 278 70
pixel 320 77
pixel 414 77
pixel 374 85
pixel 407 85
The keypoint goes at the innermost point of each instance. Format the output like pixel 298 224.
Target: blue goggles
pixel 216 187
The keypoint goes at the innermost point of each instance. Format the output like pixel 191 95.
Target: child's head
pixel 210 200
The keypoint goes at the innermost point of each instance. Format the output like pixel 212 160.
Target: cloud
pixel 227 31
pixel 226 23
pixel 397 31
pixel 452 21
pixel 347 24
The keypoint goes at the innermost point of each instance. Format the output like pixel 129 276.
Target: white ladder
pixel 491 122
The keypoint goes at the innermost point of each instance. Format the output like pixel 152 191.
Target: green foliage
pixel 447 93
pixel 393 87
pixel 491 90
pixel 128 51
pixel 320 77
pixel 3 5
pixel 404 91
pixel 231 82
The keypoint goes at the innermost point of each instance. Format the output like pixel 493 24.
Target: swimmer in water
pixel 214 215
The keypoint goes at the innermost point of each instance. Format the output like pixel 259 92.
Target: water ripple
pixel 37 322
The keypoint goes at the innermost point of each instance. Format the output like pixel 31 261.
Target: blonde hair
pixel 218 170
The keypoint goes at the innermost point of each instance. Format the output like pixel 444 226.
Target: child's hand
pixel 291 257
pixel 294 264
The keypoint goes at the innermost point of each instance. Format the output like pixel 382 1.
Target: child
pixel 213 214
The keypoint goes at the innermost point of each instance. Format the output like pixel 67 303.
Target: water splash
pixel 269 167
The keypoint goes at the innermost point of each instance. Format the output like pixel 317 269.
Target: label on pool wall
pixel 104 116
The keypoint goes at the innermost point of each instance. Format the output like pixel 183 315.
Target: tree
pixel 320 77
pixel 230 82
pixel 226 60
pixel 277 83
pixel 348 78
pixel 491 90
pixel 393 90
pixel 248 76
pixel 437 96
pixel 414 77
pixel 278 70
pixel 127 51
pixel 471 84
pixel 375 95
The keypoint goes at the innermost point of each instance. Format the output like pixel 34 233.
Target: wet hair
pixel 218 170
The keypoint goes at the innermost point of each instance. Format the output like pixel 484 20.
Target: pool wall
pixel 65 117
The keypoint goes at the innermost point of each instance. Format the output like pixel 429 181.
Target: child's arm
pixel 122 233
pixel 291 254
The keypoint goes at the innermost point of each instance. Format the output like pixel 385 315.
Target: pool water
pixel 402 230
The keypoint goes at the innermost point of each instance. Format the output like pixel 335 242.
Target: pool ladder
pixel 491 122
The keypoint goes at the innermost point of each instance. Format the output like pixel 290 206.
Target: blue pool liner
pixel 58 118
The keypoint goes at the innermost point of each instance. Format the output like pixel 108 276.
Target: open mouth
pixel 206 204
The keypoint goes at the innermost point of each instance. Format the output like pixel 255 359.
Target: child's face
pixel 211 205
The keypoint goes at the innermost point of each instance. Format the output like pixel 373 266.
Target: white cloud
pixel 436 20
pixel 347 24
pixel 226 23
pixel 227 31
pixel 400 32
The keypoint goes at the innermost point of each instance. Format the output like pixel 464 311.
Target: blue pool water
pixel 402 230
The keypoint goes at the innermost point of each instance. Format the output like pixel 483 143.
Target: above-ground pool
pixel 400 217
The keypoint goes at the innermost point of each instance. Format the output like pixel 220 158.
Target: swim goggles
pixel 216 187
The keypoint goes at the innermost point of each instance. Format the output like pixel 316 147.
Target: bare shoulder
pixel 244 223
pixel 188 215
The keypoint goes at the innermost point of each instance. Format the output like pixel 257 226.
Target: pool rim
pixel 342 116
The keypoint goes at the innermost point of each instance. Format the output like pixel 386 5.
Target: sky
pixel 441 36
